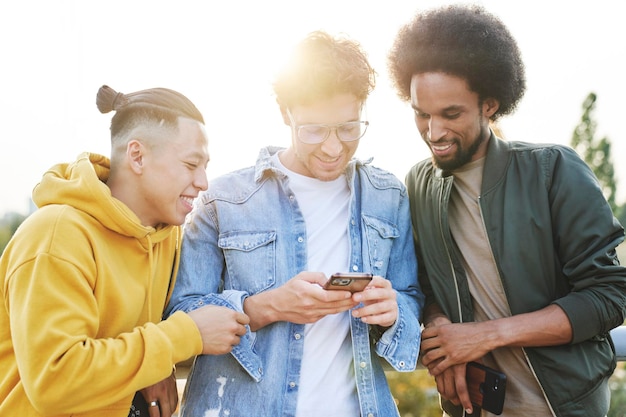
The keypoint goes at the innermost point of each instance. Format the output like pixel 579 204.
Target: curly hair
pixel 463 41
pixel 322 66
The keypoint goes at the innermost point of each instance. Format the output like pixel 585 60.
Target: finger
pixel 167 408
pixel 429 332
pixel 436 369
pixel 451 386
pixel 383 320
pixel 382 314
pixel 441 387
pixel 242 318
pixel 154 409
pixel 313 277
pixel 174 394
pixel 441 366
pixel 241 331
pixel 379 282
pixel 375 294
pixel 431 359
pixel 461 388
pixel 335 296
pixel 445 387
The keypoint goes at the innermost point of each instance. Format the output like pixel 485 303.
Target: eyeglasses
pixel 318 133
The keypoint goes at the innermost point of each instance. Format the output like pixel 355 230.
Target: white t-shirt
pixel 327 385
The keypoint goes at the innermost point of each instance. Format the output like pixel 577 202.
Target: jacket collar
pixel 496 162
pixel 264 165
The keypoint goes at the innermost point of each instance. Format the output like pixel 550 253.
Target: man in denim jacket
pixel 263 240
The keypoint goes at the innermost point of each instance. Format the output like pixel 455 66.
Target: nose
pixel 437 129
pixel 200 180
pixel 332 145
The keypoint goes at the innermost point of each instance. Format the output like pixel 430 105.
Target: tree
pixel 8 225
pixel 596 152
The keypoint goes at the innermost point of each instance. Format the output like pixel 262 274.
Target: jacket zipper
pixel 443 238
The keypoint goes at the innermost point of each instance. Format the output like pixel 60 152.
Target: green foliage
pixel 620 213
pixel 5 235
pixel 8 225
pixel 596 152
pixel 618 392
pixel 415 393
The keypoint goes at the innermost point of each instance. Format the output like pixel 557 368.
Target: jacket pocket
pixel 250 260
pixel 380 235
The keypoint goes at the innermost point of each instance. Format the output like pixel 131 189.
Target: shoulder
pixel 541 149
pixel 420 172
pixel 57 230
pixel 548 156
pixel 234 186
pixel 378 177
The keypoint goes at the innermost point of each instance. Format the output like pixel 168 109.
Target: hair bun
pixel 108 99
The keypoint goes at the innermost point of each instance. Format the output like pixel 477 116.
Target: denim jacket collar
pixel 264 165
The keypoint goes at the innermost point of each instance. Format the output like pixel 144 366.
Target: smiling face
pixel 173 173
pixel 325 161
pixel 451 119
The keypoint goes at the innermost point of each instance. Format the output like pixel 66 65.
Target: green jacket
pixel 553 237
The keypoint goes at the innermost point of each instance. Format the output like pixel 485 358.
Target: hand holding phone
pixel 348 281
pixel 486 387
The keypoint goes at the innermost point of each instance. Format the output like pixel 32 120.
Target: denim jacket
pixel 247 235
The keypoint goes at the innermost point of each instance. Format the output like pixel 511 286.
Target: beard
pixel 462 155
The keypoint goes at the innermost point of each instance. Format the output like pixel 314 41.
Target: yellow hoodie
pixel 84 285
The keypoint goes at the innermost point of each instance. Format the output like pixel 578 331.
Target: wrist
pixel 260 313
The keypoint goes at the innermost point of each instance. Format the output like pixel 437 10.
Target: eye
pixel 421 115
pixel 350 127
pixel 452 116
pixel 313 129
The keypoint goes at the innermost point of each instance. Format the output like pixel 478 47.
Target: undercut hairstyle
pixel 322 66
pixel 155 106
pixel 462 41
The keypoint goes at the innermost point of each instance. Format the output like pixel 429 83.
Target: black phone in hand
pixel 486 386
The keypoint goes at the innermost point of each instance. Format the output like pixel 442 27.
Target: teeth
pixel 188 199
pixel 441 147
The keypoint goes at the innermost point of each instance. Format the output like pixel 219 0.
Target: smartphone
pixel 348 281
pixel 486 387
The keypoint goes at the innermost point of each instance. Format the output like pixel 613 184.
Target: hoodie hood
pixel 82 185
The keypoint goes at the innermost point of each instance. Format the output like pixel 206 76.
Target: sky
pixel 55 55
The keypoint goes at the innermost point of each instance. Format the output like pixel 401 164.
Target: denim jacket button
pixel 300 239
pixel 401 364
pixel 362 364
pixel 297 336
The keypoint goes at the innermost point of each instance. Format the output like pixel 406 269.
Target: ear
pixel 135 153
pixel 490 106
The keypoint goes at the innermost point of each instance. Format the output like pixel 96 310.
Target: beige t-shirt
pixel 524 396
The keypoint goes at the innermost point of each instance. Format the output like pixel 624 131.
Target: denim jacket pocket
pixel 380 235
pixel 246 251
